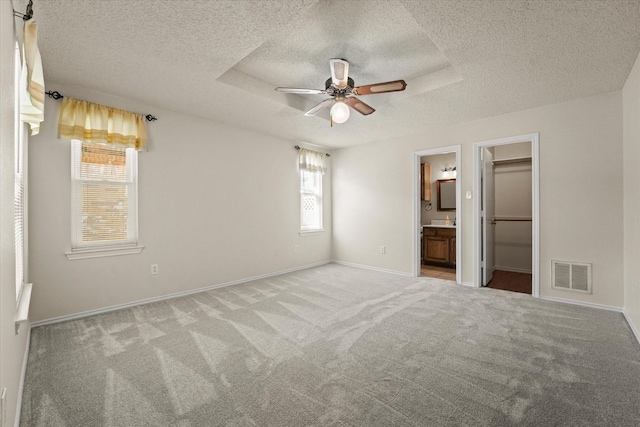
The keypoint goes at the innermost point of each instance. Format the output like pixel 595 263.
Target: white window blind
pixel 104 195
pixel 19 195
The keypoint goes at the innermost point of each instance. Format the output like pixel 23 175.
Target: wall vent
pixel 571 276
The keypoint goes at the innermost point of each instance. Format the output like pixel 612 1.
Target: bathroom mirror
pixel 446 189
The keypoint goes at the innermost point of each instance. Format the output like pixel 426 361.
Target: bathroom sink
pixel 441 222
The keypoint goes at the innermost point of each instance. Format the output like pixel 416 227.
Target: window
pixel 19 195
pixel 312 166
pixel 104 198
pixel 310 201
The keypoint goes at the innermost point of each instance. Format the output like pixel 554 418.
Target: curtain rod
pixel 297 147
pixel 28 13
pixel 57 95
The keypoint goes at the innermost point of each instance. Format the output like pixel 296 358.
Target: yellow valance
pixel 91 122
pixel 311 161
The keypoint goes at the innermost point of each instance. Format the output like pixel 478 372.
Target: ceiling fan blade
pixel 359 106
pixel 393 86
pixel 319 107
pixel 339 72
pixel 301 91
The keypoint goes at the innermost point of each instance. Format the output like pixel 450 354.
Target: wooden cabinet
pixel 452 249
pixel 425 181
pixel 439 246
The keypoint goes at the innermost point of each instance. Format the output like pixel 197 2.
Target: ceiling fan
pixel 342 91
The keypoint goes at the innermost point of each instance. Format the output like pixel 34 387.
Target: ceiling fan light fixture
pixel 343 93
pixel 340 112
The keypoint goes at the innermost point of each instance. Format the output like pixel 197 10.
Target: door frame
pixel 457 149
pixel 485 232
pixel 534 138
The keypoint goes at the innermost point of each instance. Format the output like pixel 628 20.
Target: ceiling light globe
pixel 340 112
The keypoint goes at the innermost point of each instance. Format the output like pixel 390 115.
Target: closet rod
pixel 495 219
pixel 510 161
pixel 57 95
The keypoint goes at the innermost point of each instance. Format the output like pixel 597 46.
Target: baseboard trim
pixel 513 270
pixel 168 296
pixel 23 375
pixel 368 267
pixel 468 284
pixel 633 327
pixel 584 304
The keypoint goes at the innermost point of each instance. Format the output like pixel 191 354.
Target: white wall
pixel 216 204
pixel 631 127
pixel 580 160
pixel 12 346
pixel 513 239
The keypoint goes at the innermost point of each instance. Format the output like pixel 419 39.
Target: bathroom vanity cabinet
pixel 439 246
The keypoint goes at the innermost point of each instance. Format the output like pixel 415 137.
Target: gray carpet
pixel 342 346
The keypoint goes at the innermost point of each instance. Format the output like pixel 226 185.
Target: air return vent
pixel 571 276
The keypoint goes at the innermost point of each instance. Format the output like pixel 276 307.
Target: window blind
pixel 19 211
pixel 19 194
pixel 104 187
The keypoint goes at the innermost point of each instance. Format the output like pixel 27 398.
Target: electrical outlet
pixel 383 249
pixel 296 249
pixel 154 268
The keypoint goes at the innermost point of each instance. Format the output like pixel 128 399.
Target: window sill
pixel 22 309
pixel 308 232
pixel 103 252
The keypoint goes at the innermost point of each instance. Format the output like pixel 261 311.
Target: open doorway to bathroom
pixel 506 213
pixel 437 213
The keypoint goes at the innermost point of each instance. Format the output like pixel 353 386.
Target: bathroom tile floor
pixel 439 272
pixel 504 280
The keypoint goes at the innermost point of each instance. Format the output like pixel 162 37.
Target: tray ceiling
pixel 221 60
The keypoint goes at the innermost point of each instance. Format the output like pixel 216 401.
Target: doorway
pixel 437 213
pixel 506 213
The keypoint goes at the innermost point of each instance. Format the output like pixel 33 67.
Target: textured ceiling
pixel 221 60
